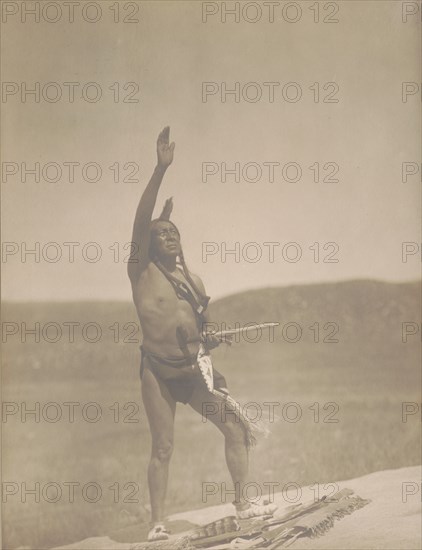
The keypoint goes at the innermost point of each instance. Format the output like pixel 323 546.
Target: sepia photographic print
pixel 211 274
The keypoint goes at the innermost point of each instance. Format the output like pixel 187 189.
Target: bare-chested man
pixel 171 304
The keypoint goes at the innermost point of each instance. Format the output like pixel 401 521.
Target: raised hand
pixel 164 150
pixel 167 210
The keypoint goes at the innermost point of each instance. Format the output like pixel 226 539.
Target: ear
pixel 167 210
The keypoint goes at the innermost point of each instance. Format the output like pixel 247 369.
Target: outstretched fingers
pixel 164 150
pixel 164 135
pixel 167 209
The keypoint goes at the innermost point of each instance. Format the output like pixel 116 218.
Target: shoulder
pixel 147 272
pixel 198 281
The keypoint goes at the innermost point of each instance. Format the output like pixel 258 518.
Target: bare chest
pixel 155 294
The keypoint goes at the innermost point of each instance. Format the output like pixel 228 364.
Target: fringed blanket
pixel 304 520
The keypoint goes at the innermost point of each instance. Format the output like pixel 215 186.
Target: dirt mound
pixel 391 521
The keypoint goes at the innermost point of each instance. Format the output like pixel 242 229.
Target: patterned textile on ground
pixel 302 520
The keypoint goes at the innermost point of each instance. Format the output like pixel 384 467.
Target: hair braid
pixel 202 297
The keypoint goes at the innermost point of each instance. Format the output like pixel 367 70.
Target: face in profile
pixel 165 240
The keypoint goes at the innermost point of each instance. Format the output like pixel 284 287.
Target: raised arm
pixel 139 257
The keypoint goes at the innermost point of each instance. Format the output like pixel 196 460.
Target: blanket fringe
pixel 314 520
pixel 350 505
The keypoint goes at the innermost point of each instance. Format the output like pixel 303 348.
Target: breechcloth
pixel 181 375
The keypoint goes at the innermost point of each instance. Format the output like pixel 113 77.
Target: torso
pixel 161 312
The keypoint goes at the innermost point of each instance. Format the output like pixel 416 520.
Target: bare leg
pixel 213 409
pixel 160 408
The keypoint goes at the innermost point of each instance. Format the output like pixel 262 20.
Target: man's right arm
pixel 139 257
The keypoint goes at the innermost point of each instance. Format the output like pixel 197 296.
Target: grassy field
pixel 368 374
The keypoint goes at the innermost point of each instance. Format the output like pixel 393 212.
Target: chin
pixel 169 253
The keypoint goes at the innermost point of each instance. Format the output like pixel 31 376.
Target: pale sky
pixel 369 133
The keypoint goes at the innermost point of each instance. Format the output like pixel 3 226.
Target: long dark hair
pixel 165 217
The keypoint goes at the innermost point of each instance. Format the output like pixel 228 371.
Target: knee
pixel 234 432
pixel 162 451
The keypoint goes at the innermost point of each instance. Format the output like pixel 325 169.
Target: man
pixel 171 304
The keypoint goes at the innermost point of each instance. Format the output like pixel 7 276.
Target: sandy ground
pixel 391 521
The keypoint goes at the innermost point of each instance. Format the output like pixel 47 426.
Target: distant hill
pixel 359 307
pixel 355 298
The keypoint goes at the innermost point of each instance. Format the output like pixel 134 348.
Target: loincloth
pixel 181 375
